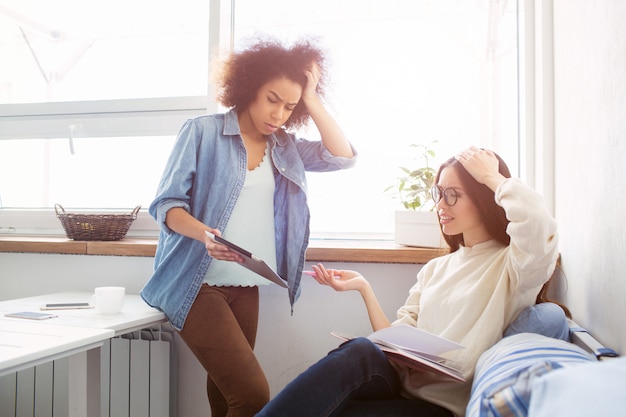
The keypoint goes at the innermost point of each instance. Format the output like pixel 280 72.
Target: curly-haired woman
pixel 240 174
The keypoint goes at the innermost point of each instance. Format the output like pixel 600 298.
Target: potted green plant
pixel 417 224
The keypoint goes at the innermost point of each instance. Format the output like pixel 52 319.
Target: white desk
pixel 25 343
pixel 135 314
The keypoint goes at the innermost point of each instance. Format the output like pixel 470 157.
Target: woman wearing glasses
pixel 503 249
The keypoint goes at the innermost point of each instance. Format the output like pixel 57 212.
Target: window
pixel 90 109
pixel 90 106
pixel 405 71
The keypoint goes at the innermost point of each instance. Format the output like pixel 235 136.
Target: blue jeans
pixel 356 379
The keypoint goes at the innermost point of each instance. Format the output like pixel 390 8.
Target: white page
pixel 413 339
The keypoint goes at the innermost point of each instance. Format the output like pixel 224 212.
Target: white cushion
pixel 594 389
pixel 505 373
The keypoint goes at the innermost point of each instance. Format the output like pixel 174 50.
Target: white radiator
pixel 138 379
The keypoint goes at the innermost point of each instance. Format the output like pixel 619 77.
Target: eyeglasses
pixel 449 195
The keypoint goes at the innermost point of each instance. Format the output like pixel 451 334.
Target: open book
pixel 414 348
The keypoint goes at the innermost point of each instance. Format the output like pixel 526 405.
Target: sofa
pixel 541 370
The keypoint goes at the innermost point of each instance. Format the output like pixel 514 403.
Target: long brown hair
pixel 491 214
pixel 544 293
pixel 493 217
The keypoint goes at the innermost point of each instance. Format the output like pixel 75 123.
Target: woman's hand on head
pixel 313 75
pixel 219 251
pixel 481 164
pixel 339 280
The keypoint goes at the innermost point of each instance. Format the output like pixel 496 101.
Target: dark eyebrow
pixel 279 98
pixel 456 189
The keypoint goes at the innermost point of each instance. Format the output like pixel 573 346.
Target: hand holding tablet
pixel 250 261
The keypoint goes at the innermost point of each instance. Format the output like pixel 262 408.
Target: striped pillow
pixel 504 373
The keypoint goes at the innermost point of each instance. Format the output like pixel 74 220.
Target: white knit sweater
pixel 471 295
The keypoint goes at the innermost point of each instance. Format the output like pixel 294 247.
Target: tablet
pixel 253 263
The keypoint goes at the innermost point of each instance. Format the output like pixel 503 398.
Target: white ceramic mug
pixel 109 300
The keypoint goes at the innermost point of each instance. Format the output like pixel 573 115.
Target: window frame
pixel 106 118
pixel 123 118
pixel 165 115
pixel 99 118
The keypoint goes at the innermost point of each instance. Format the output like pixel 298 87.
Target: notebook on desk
pixel 252 262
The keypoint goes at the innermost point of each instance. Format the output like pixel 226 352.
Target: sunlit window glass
pixel 68 50
pixel 405 71
pixel 86 74
pixel 95 173
pixel 440 72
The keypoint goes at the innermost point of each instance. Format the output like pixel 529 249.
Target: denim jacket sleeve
pixel 209 151
pixel 177 178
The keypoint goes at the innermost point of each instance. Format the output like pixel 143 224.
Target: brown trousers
pixel 221 331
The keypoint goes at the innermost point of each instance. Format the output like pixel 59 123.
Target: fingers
pixel 314 71
pixel 474 152
pixel 219 251
pixel 481 164
pixel 467 153
pixel 323 275
pixel 313 75
pixel 223 253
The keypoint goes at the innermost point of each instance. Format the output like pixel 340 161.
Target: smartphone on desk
pixel 65 306
pixel 31 315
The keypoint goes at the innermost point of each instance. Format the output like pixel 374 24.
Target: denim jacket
pixel 204 175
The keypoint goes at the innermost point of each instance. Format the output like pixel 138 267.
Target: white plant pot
pixel 418 228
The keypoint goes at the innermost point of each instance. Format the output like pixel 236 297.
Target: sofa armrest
pixel 585 340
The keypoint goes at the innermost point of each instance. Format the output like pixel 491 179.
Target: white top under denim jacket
pixel 251 226
pixel 204 175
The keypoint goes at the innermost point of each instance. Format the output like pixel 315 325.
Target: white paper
pixel 413 339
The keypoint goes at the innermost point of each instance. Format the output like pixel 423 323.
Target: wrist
pixel 366 289
pixel 311 101
pixel 493 181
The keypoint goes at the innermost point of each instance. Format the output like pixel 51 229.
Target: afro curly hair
pixel 243 73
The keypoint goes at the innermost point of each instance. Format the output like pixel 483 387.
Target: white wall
pixel 286 344
pixel 590 134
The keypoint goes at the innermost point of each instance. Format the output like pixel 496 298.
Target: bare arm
pixel 180 221
pixel 344 280
pixel 375 312
pixel 333 137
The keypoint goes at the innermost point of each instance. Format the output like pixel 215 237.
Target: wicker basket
pixel 95 226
